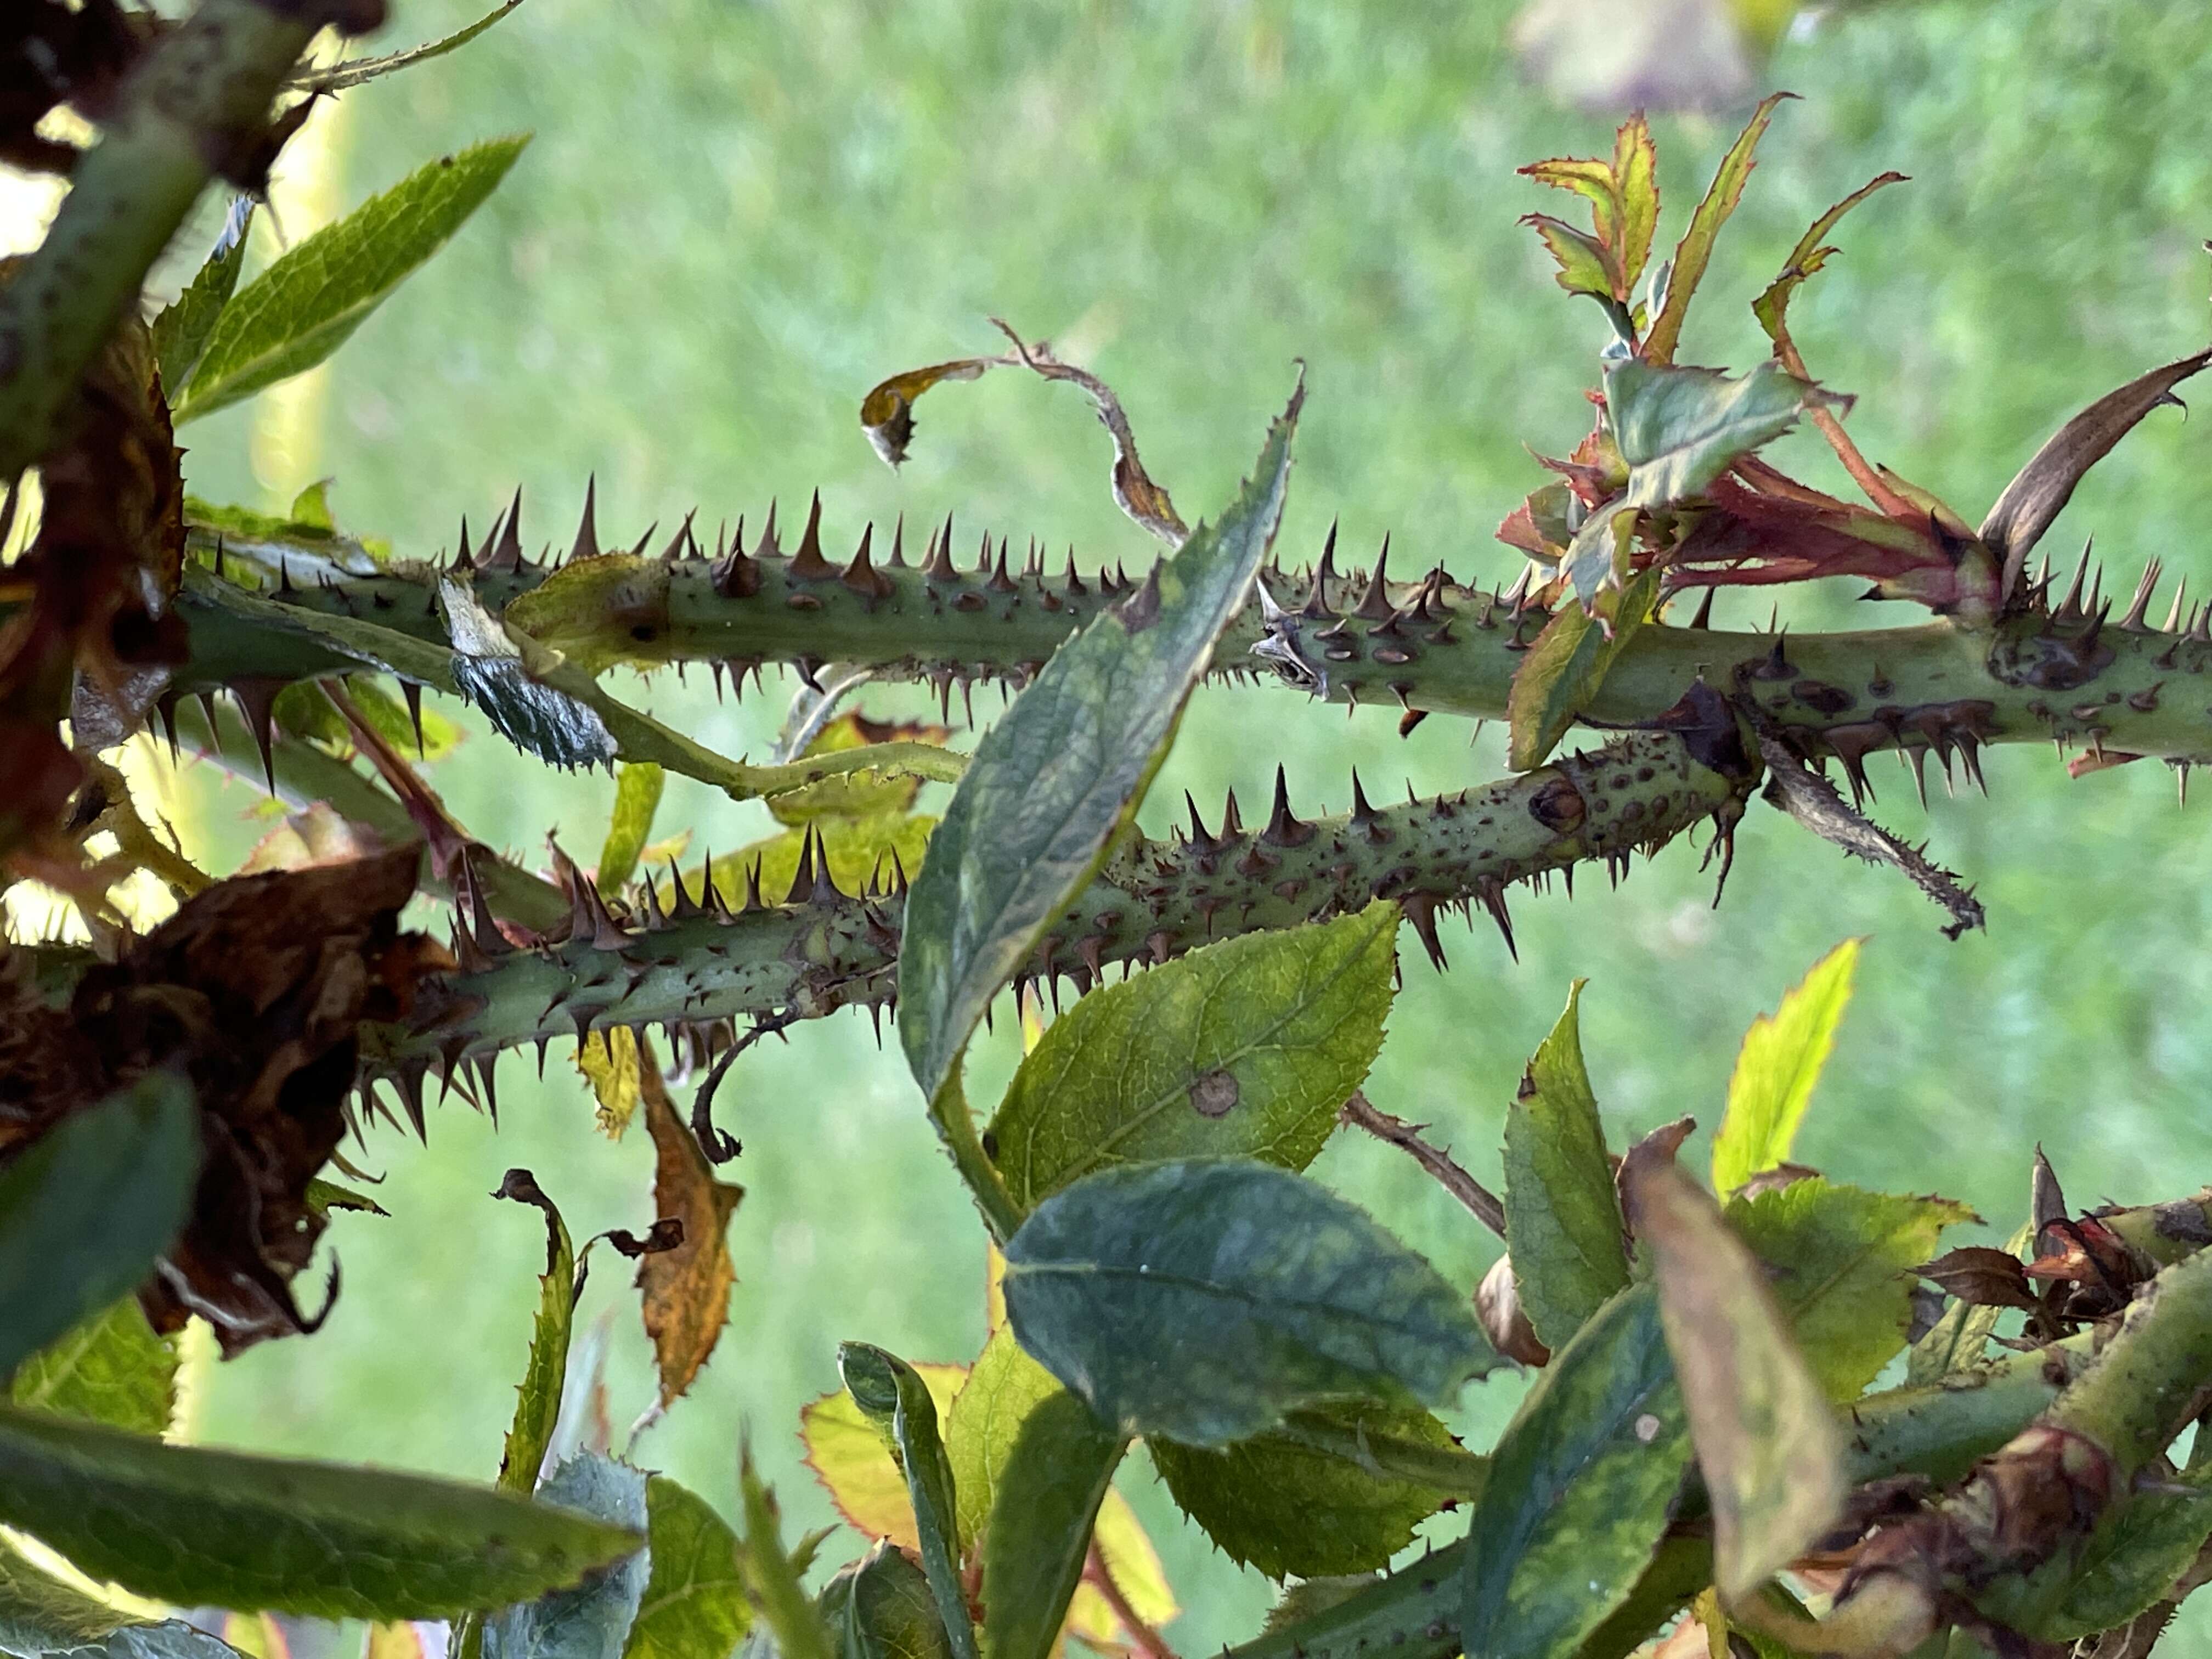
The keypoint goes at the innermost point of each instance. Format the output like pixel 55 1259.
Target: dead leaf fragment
pixel 686 1287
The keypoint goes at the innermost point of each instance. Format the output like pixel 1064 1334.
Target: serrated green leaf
pixel 881 1608
pixel 790 1627
pixel 1202 1299
pixel 182 329
pixel 313 295
pixel 1247 1048
pixel 1063 771
pixel 892 1395
pixel 1582 1485
pixel 112 1369
pixel 1680 429
pixel 89 1205
pixel 1808 257
pixel 591 1620
pixel 695 1597
pixel 1769 1448
pixel 1562 1224
pixel 1045 1503
pixel 1561 674
pixel 1584 266
pixel 1839 1261
pixel 537 1405
pixel 2130 1560
pixel 1776 1069
pixel 1275 1503
pixel 39 1615
pixel 214 1528
pixel 853 1459
pixel 1695 251
pixel 324 1196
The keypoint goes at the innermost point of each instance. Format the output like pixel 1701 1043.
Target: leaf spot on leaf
pixel 1214 1095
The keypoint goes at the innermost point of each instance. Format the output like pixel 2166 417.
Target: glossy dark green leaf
pixel 314 294
pixel 637 798
pixel 1562 1216
pixel 1695 251
pixel 1776 1069
pixel 881 1608
pixel 695 1597
pixel 1768 1446
pixel 40 1614
pixel 1680 429
pixel 892 1395
pixel 1039 1535
pixel 214 1528
pixel 87 1209
pixel 1562 672
pixel 1063 771
pixel 112 1369
pixel 537 1405
pixel 2130 1560
pixel 1839 1261
pixel 591 1620
pixel 1203 1299
pixel 1246 1048
pixel 1582 1484
pixel 181 331
pixel 1276 1502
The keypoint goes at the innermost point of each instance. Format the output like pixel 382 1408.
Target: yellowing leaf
pixel 887 412
pixel 685 1292
pixel 1770 1449
pixel 854 1465
pixel 861 794
pixel 1780 1062
pixel 608 1060
pixel 638 797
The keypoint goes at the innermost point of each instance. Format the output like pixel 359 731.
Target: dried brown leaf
pixel 1983 1277
pixel 887 412
pixel 686 1288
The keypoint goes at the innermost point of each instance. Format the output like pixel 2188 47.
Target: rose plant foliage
pixel 1772 1412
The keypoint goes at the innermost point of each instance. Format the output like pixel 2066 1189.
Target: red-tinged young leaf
pixel 1695 251
pixel 1980 1277
pixel 1769 1447
pixel 1592 181
pixel 685 1292
pixel 1808 257
pixel 1776 1069
pixel 1539 526
pixel 1562 672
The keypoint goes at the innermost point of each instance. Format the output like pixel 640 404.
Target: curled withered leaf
pixel 1977 1274
pixel 1658 1147
pixel 686 1289
pixel 887 412
pixel 257 989
pixel 2042 489
pixel 1504 1322
pixel 1134 492
pixel 1774 1180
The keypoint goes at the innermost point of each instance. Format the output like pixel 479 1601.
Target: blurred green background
pixel 737 216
